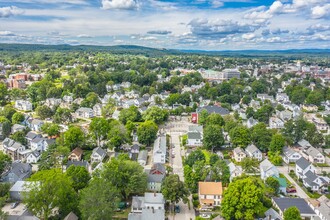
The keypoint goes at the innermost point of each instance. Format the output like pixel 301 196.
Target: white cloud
pixel 217 3
pixel 321 11
pixel 249 36
pixel 84 36
pixel 6 33
pixel 120 4
pixel 6 12
pixel 74 2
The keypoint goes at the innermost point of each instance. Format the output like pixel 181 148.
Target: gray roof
pixel 214 109
pixel 303 163
pixel 134 216
pixel 194 135
pixel 152 214
pixel 71 216
pixel 195 128
pixel 37 140
pixel 77 164
pixel 301 204
pixel 287 151
pixel 155 198
pixel 138 202
pixel 21 186
pixel 21 170
pixel 31 135
pixel 143 155
pixel 274 215
pixel 266 165
pixel 251 149
pixel 239 150
pixel 135 147
pixel 312 151
pixel 160 144
pixel 99 151
pixel 304 144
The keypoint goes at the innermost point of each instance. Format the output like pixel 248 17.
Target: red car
pixel 291 190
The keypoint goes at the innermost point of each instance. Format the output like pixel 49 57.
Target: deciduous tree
pixel 147 132
pixel 292 213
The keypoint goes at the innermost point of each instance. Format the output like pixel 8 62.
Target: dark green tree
pixel 213 136
pixel 79 176
pixel 147 132
pixel 292 213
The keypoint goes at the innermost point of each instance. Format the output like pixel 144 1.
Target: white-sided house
pixel 23 105
pixel 254 152
pixel 234 170
pixel 98 155
pixel 195 135
pixel 85 113
pixel 159 151
pixel 251 122
pixel 268 169
pixel 35 124
pixel 282 97
pixel 290 155
pixel 302 167
pixel 37 144
pixel 97 109
pixel 239 154
pixel 33 157
pixel 142 158
pixel 313 155
pixel 276 123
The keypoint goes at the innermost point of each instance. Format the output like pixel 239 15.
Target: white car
pixel 204 215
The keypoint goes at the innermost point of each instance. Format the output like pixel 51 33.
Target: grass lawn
pixel 123 214
pixel 207 155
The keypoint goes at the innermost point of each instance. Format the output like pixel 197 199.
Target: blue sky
pixel 182 24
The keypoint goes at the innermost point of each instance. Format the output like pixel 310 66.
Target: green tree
pixel 62 115
pixel 128 176
pixel 277 143
pixel 240 136
pixel 242 200
pixel 202 117
pixel 99 200
pixel 273 184
pixel 220 172
pixel 79 176
pixel 19 136
pixel 261 136
pixel 155 114
pixel 193 157
pixel 6 126
pixel 315 97
pixel 129 114
pixel 215 119
pixel 17 118
pixel 264 113
pixel 99 128
pixel 275 158
pixel 3 93
pixel 73 137
pixel 4 161
pixel 51 129
pixel 8 111
pixel 147 132
pixel 213 137
pixel 292 213
pixel 50 189
pixel 44 112
pixel 250 165
pixel 91 99
pixel 117 134
pixel 174 189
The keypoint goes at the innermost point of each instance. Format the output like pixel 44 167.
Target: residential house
pixel 234 170
pixel 251 122
pixel 239 154
pixel 33 157
pixel 142 158
pixel 17 191
pixel 78 164
pixel 17 172
pixel 284 115
pixel 76 154
pixel 282 97
pixel 281 204
pixel 306 172
pixel 98 155
pixel 41 144
pixel 71 216
pixel 35 124
pixel 210 194
pixel 213 109
pixel 84 113
pixel 195 135
pixel 309 107
pixel 1 131
pixel 268 169
pixel 276 123
pixel 155 177
pixel 290 155
pixel 283 184
pixel 151 206
pixel 321 207
pixel 97 110
pixel 52 102
pixel 23 105
pixel 253 152
pixel 160 150
pixel 303 145
pixel 264 97
pixel 271 214
pixel 320 124
pixel 13 148
pixel 16 128
pixel 68 99
pixel 134 152
pixel 313 155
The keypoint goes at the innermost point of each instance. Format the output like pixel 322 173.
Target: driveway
pixel 176 129
pixel 300 192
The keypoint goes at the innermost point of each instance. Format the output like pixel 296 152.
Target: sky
pixel 181 24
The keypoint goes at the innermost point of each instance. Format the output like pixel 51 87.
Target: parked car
pixel 14 205
pixel 205 215
pixel 291 190
pixel 177 209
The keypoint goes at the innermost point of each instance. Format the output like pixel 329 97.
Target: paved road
pixel 172 129
pixel 300 192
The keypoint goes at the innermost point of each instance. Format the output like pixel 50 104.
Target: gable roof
pixel 71 216
pixel 301 204
pixel 20 169
pixel 77 151
pixel 251 149
pixel 194 135
pixel 210 188
pixel 99 151
pixel 266 165
pixel 214 109
pixel 312 151
pixel 303 163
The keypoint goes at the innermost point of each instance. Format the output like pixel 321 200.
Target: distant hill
pixel 139 50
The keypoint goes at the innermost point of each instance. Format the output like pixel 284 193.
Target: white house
pixel 195 136
pixel 251 122
pixel 290 155
pixel 33 157
pixel 23 105
pixel 159 151
pixel 313 155
pixel 276 123
pixel 97 109
pixel 98 155
pixel 254 152
pixel 234 170
pixel 282 97
pixel 239 154
pixel 267 169
pixel 85 113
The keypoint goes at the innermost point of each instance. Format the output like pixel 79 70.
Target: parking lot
pixel 19 210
